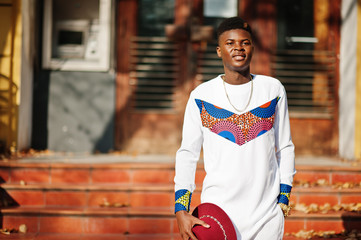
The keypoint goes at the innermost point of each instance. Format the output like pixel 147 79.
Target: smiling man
pixel 241 121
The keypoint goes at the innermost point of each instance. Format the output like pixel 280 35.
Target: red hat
pixel 221 225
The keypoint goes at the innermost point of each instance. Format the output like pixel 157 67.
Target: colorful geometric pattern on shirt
pixel 182 200
pixel 285 193
pixel 238 128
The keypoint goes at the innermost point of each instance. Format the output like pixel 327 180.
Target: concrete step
pixel 122 237
pixel 137 172
pixel 75 173
pixel 331 174
pixel 65 197
pixel 147 195
pixel 325 194
pixel 91 220
pixel 93 195
pixel 65 236
pixel 62 236
pixel 147 220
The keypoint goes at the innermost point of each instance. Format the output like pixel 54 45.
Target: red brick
pixel 200 176
pixel 103 237
pixel 97 198
pixel 294 198
pixel 61 225
pixel 70 175
pixel 67 236
pixel 318 199
pixel 351 198
pixel 22 236
pixel 149 199
pixel 196 199
pixel 346 177
pixel 66 198
pixel 150 237
pixel 110 176
pixel 287 237
pixel 105 225
pixel 311 176
pixel 171 174
pixel 30 175
pixel 325 225
pixel 4 175
pixel 177 237
pixel 175 226
pixel 58 236
pixel 149 225
pixel 15 221
pixel 32 198
pixel 294 226
pixel 152 176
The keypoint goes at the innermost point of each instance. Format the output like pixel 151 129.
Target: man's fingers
pixel 202 223
pixel 191 235
pixel 197 222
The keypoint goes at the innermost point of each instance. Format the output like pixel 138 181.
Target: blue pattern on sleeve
pixel 285 193
pixel 182 200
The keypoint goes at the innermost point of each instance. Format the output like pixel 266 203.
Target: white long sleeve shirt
pixel 247 155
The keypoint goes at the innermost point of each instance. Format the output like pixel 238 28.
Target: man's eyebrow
pixel 232 39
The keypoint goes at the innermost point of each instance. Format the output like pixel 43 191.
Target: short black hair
pixel 233 23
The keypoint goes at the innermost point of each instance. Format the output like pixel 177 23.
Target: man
pixel 242 122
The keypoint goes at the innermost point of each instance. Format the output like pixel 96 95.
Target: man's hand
pixel 185 223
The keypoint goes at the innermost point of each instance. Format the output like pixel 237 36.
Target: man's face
pixel 235 47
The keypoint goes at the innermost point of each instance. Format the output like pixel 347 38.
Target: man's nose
pixel 238 46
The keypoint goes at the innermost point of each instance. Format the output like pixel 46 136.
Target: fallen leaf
pixel 322 182
pixel 313 207
pixel 337 207
pixel 23 228
pixel 325 208
pixel 115 205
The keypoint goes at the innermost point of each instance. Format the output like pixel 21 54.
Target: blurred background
pixel 114 75
pixel 82 77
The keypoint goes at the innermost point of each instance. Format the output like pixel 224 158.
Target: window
pixel 153 15
pixel 77 35
pixel 209 65
pixel 302 63
pixel 155 65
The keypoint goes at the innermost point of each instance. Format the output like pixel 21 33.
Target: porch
pixel 123 196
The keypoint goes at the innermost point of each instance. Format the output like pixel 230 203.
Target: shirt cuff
pixel 285 193
pixel 182 200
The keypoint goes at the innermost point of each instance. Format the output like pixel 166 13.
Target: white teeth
pixel 239 57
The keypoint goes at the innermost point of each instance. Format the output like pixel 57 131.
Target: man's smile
pixel 239 57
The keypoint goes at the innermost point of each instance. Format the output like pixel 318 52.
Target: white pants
pixel 273 229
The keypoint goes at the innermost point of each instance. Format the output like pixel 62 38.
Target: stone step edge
pixel 94 236
pixel 153 165
pixel 110 236
pixel 90 211
pixel 160 187
pixel 110 166
pixel 149 212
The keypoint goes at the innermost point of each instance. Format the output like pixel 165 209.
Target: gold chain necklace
pixel 229 100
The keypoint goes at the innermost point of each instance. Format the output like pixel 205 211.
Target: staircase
pixel 132 198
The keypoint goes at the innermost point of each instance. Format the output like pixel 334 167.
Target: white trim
pixel 104 42
pixel 295 39
pixel 24 129
pixel 347 92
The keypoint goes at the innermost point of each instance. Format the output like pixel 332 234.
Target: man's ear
pixel 219 53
